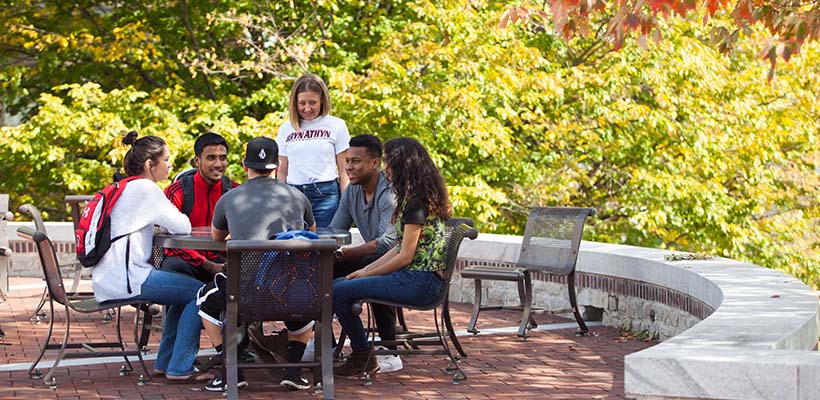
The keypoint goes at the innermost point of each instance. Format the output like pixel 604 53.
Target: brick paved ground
pixel 549 365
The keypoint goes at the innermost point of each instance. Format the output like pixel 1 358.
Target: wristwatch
pixel 338 254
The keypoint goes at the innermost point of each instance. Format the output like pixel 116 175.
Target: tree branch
pixel 183 4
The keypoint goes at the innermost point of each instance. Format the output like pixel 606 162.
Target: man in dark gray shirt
pixel 257 210
pixel 368 202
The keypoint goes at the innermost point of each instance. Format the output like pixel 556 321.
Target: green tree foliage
pixel 676 145
pixel 73 143
pixel 226 50
pixel 680 148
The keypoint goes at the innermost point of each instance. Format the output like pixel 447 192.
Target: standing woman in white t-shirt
pixel 312 148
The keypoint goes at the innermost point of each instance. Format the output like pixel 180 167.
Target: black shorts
pixel 212 304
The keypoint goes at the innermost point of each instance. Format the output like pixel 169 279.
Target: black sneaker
pixel 294 380
pixel 214 361
pixel 218 384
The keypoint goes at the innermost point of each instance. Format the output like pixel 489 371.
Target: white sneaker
pixel 307 356
pixel 389 363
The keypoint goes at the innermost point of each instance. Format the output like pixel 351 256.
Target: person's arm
pixel 397 260
pixel 282 172
pixel 343 220
pixel 386 204
pixel 166 215
pixel 218 234
pixel 357 252
pixel 310 221
pixel 340 146
pixel 190 256
pixel 384 258
pixel 174 193
pixel 219 223
pixel 340 166
pixel 382 243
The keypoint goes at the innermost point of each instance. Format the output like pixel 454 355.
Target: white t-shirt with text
pixel 312 151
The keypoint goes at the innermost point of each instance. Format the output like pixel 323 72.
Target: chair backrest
pixel 77 203
pixel 454 222
pixel 280 280
pixel 456 236
pixel 35 215
pixel 48 260
pixel 552 238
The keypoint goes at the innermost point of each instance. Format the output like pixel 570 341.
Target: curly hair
pixel 414 174
pixel 142 149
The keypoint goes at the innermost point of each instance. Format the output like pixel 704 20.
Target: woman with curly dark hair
pixel 408 273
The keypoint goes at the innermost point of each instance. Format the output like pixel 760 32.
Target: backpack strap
pixel 187 194
pixel 127 264
pixel 226 184
pixel 187 182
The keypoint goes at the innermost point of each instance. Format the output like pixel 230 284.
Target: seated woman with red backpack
pixel 124 272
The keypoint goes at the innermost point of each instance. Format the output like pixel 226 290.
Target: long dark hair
pixel 413 174
pixel 142 149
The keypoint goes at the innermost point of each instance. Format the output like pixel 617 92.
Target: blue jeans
pixel 181 326
pixel 415 288
pixel 324 199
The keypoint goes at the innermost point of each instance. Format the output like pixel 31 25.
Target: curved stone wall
pixel 754 341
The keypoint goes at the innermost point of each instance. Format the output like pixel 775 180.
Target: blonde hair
pixel 307 83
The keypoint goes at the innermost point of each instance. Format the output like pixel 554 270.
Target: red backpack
pixel 93 235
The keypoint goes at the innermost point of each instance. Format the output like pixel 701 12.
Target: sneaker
pixel 218 384
pixel 310 351
pixel 294 380
pixel 214 361
pixel 269 347
pixel 389 363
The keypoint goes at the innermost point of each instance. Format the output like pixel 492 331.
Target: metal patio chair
pixel 39 314
pixel 414 343
pixel 57 294
pixel 404 331
pixel 280 280
pixel 448 227
pixel 550 245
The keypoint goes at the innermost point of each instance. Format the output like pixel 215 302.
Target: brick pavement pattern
pixel 548 365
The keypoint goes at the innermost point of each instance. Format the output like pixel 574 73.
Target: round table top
pixel 200 239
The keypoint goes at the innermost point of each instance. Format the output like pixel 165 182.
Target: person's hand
pixel 359 273
pixel 212 267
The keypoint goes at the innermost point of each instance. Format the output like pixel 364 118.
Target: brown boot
pixel 359 363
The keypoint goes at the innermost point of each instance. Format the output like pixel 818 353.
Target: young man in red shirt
pixel 195 193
